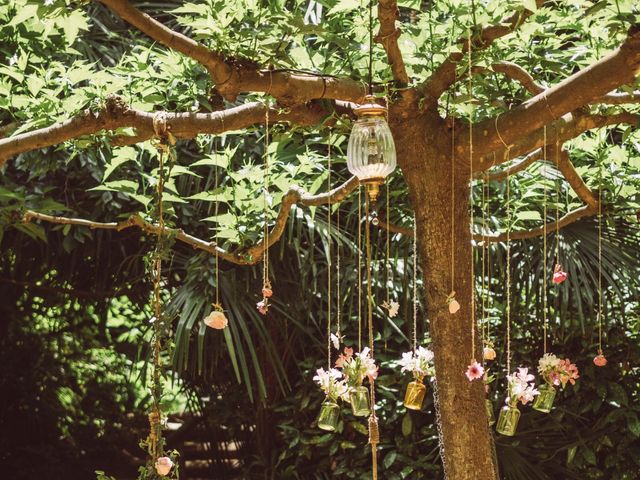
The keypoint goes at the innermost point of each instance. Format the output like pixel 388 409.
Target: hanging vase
pixel 508 420
pixel 488 405
pixel 414 395
pixel 328 417
pixel 544 401
pixel 359 398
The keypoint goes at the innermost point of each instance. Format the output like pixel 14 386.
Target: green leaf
pixel 529 215
pixel 122 155
pixel 122 186
pixel 389 458
pixel 530 5
pixel 407 424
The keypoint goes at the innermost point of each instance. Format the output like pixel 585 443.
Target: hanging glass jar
pixel 488 405
pixel 414 396
pixel 371 152
pixel 359 397
pixel 508 420
pixel 328 417
pixel 544 401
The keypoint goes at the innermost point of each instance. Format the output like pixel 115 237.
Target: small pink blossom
pixel 163 466
pixel 600 360
pixel 474 370
pixel 570 372
pixel 267 292
pixel 263 306
pixel 558 275
pixel 343 358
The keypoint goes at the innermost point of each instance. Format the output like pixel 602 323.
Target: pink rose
pixel 163 466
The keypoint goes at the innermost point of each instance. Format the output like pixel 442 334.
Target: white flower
pixel 520 388
pixel 417 362
pixel 13 60
pixel 524 376
pixel 48 3
pixel 331 383
pixel 547 363
pixel 336 340
pixel 393 307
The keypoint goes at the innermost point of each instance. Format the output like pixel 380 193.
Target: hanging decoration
pixel 419 360
pixel 555 372
pixel 155 443
pixel 335 388
pixel 600 360
pixel 475 370
pixel 559 275
pixel 216 319
pixel 520 388
pixel 267 291
pixel 452 303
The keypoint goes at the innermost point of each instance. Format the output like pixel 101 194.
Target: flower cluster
pixel 356 368
pixel 267 293
pixel 521 387
pixel 332 384
pixel 418 363
pixel 556 371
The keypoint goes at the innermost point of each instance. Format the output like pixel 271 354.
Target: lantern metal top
pixel 370 108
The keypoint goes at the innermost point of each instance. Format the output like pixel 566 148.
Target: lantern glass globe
pixel 371 153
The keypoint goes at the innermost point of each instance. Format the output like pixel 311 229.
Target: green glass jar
pixel 508 420
pixel 359 398
pixel 544 401
pixel 328 417
pixel 414 396
pixel 488 405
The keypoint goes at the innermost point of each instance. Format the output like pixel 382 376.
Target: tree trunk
pixel 424 154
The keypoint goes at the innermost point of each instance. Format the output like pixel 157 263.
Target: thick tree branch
pixel 618 68
pixel 567 127
pixel 616 98
pixel 233 77
pixel 246 256
pixel 564 164
pixel 388 37
pixel 116 115
pixel 445 75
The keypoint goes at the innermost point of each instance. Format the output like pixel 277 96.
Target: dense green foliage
pixel 74 323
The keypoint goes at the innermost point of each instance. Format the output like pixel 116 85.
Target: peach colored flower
pixel 600 360
pixel 489 353
pixel 267 292
pixel 217 320
pixel 263 306
pixel 163 466
pixel 474 370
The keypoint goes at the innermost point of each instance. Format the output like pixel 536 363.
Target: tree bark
pixel 424 154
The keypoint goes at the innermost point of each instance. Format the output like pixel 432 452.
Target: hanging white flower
pixel 392 307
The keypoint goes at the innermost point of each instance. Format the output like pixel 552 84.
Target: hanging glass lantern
pixel 544 401
pixel 328 417
pixel 371 153
pixel 414 395
pixel 359 398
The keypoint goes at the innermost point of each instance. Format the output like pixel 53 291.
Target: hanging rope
pixel 415 283
pixel 374 433
pixel 600 352
pixel 472 278
pixel 329 257
pixel 359 268
pixel 162 142
pixel 544 245
pixel 508 270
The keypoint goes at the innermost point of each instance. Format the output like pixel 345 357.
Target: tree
pixel 439 150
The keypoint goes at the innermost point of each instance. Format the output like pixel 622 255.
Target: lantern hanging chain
pixel 472 269
pixel 600 256
pixel 374 433
pixel 370 47
pixel 415 284
pixel 508 271
pixel 329 256
pixel 359 268
pixel 545 320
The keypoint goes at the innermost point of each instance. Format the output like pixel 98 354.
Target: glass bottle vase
pixel 328 416
pixel 544 401
pixel 508 420
pixel 414 395
pixel 488 404
pixel 359 398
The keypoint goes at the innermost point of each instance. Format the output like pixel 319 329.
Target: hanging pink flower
pixel 569 372
pixel 267 292
pixel 558 275
pixel 600 360
pixel 263 306
pixel 217 320
pixel 454 306
pixel 343 358
pixel 474 370
pixel 163 466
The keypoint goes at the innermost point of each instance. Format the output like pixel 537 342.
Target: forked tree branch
pixel 388 37
pixel 246 256
pixel 116 114
pixel 233 77
pixel 616 69
pixel 445 75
